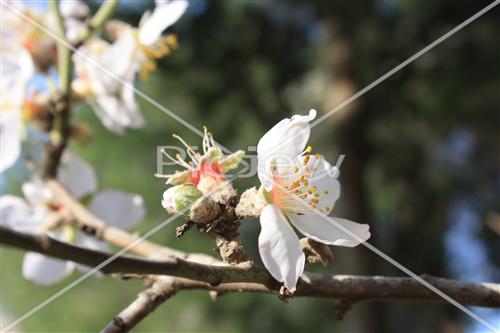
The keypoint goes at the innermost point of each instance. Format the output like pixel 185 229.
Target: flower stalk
pixel 104 12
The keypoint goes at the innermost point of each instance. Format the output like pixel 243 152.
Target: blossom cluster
pixel 105 73
pixel 106 69
pixel 298 190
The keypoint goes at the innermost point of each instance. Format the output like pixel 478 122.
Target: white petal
pixel 45 271
pixel 77 175
pixel 105 108
pixel 118 208
pixel 119 58
pixel 114 100
pixel 16 69
pixel 89 242
pixel 322 176
pixel 281 145
pixel 10 138
pixel 15 213
pixel 279 247
pixel 135 118
pixel 164 15
pixel 36 192
pixel 327 231
pixel 73 8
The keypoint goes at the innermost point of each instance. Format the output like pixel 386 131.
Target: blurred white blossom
pixel 35 213
pixel 113 101
pixel 143 45
pixel 16 70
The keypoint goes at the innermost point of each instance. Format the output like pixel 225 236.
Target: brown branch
pixel 170 265
pixel 60 129
pixel 59 135
pixel 217 218
pixel 241 278
pixel 146 302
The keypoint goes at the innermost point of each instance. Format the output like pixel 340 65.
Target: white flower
pixel 34 214
pixel 164 15
pixel 16 70
pixel 295 184
pixel 74 9
pixel 40 45
pixel 142 46
pixel 112 101
pixel 74 12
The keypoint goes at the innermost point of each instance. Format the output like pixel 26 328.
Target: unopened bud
pixel 178 198
pixel 232 161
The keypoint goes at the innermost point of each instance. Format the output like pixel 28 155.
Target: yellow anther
pixel 326 192
pixel 314 201
pixel 309 149
pixel 306 159
pixel 295 169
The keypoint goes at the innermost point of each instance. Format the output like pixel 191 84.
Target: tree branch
pixel 60 128
pixel 163 289
pixel 87 222
pixel 105 12
pixel 246 278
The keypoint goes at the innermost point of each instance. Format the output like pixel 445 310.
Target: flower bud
pixel 177 198
pixel 232 161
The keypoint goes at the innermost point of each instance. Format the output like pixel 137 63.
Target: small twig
pixel 181 230
pixel 343 307
pixel 87 222
pixel 105 12
pixel 60 126
pixel 146 302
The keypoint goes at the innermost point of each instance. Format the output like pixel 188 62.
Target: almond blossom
pixel 113 101
pixel 133 51
pixel 16 70
pixel 141 46
pixel 296 184
pixel 38 212
pixel 36 41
